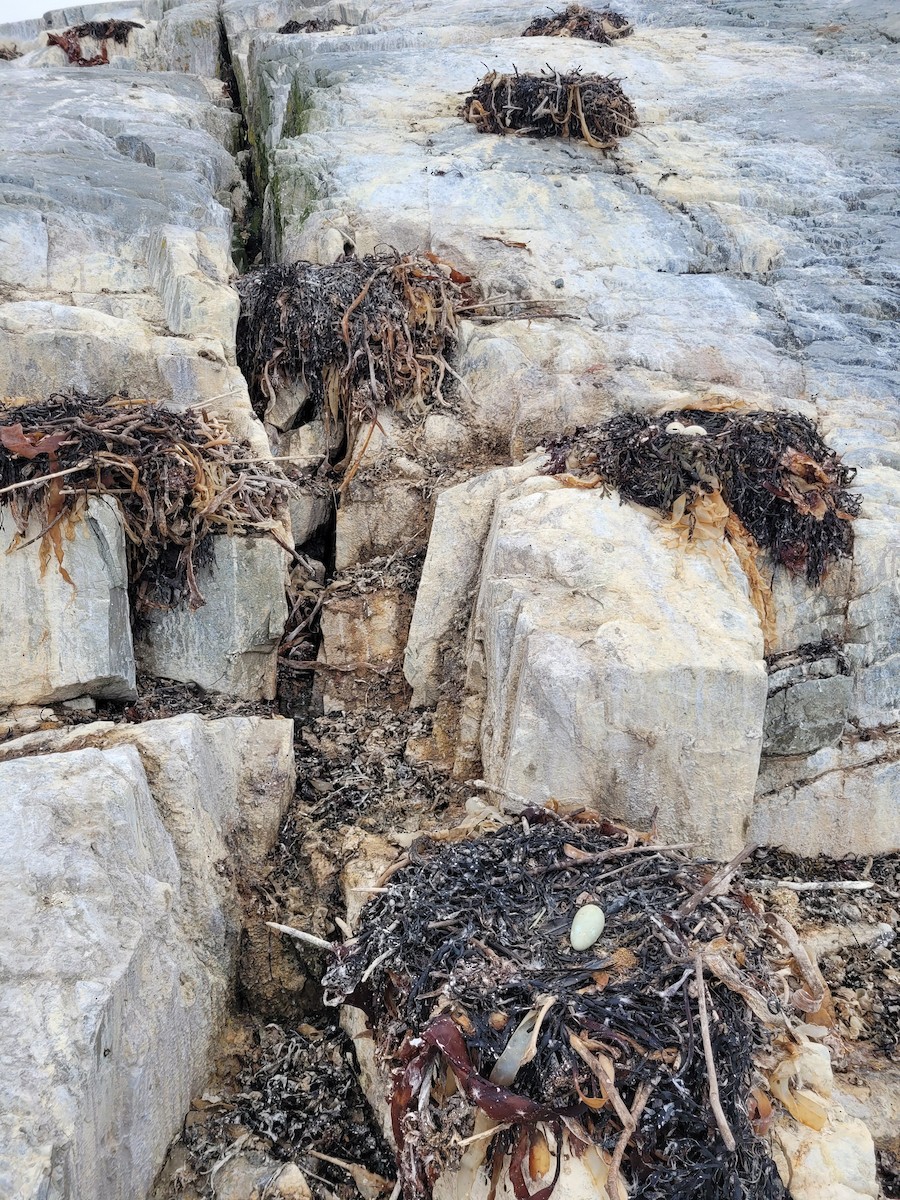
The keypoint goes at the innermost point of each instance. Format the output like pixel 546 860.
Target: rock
pixel 311 509
pixel 873 613
pixel 190 271
pixel 362 637
pixel 462 518
pixel 870 1092
pixel 188 39
pixel 230 644
pixel 835 1163
pixel 123 284
pixel 120 922
pixel 807 707
pixel 256 1176
pixel 65 639
pixel 376 518
pixel 290 1184
pixel 607 677
pixel 238 1179
pixel 839 800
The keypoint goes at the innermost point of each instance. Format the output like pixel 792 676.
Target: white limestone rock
pixel 62 639
pixel 229 645
pixel 617 668
pixel 123 284
pixel 462 519
pixel 120 921
pixel 835 1163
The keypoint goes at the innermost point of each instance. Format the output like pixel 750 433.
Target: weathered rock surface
pixel 120 927
pixel 230 644
pixel 362 638
pixel 836 1162
pixel 62 637
pixel 617 668
pixel 122 284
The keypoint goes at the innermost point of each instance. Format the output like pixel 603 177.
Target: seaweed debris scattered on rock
pixel 69 41
pixel 589 108
pixel 635 1048
pixel 8 53
pixel 357 334
pixel 314 25
pixel 295 1098
pixel 178 478
pixel 576 21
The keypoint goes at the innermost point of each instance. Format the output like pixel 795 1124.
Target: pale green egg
pixel 587 926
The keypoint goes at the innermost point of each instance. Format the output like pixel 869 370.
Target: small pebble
pixel 587 926
pixel 558 283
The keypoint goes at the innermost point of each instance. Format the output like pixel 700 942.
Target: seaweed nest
pixel 772 471
pixel 753 481
pixel 69 41
pixel 8 53
pixel 357 334
pixel 602 26
pixel 178 478
pixel 589 108
pixel 314 25
pixel 505 1044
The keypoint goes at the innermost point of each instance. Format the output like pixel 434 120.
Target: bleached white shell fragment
pixel 587 925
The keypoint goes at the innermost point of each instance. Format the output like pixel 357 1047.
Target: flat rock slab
pixel 120 927
pixel 63 637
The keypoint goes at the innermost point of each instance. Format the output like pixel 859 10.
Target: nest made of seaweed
pixel 490 1020
pixel 594 25
pixel 8 53
pixel 69 41
pixel 358 334
pixel 178 478
pixel 787 487
pixel 313 25
pixel 589 108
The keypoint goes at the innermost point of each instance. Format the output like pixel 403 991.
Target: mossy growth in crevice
pixel 297 111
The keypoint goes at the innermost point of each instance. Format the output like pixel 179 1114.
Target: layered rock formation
pixel 737 249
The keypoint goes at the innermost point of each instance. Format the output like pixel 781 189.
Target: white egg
pixel 587 926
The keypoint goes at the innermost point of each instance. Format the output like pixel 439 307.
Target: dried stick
pixel 714 1102
pixel 717 880
pixel 301 935
pixel 603 1075
pixel 24 483
pixel 641 1096
pixel 817 885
